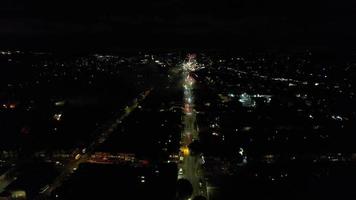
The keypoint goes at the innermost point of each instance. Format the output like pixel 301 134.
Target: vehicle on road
pixel 180 172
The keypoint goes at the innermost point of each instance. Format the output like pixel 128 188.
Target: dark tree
pixel 199 198
pixel 184 189
pixel 196 147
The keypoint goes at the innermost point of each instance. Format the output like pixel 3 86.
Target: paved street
pixel 191 165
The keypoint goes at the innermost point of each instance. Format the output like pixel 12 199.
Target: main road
pixel 190 167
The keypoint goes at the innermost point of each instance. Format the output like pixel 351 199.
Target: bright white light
pixel 60 103
pixel 57 117
pixel 241 151
pixel 337 117
pixel 190 65
pixel 246 100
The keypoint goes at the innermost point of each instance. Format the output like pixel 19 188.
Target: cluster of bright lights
pixel 188 96
pixel 189 80
pixel 57 117
pixel 9 106
pixel 246 100
pixel 188 109
pixel 185 150
pixel 191 64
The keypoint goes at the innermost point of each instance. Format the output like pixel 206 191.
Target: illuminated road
pixel 7 178
pixel 190 168
pixel 81 156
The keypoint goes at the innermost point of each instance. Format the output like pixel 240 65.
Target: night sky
pixel 178 23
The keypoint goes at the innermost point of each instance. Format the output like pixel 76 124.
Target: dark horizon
pixel 178 24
